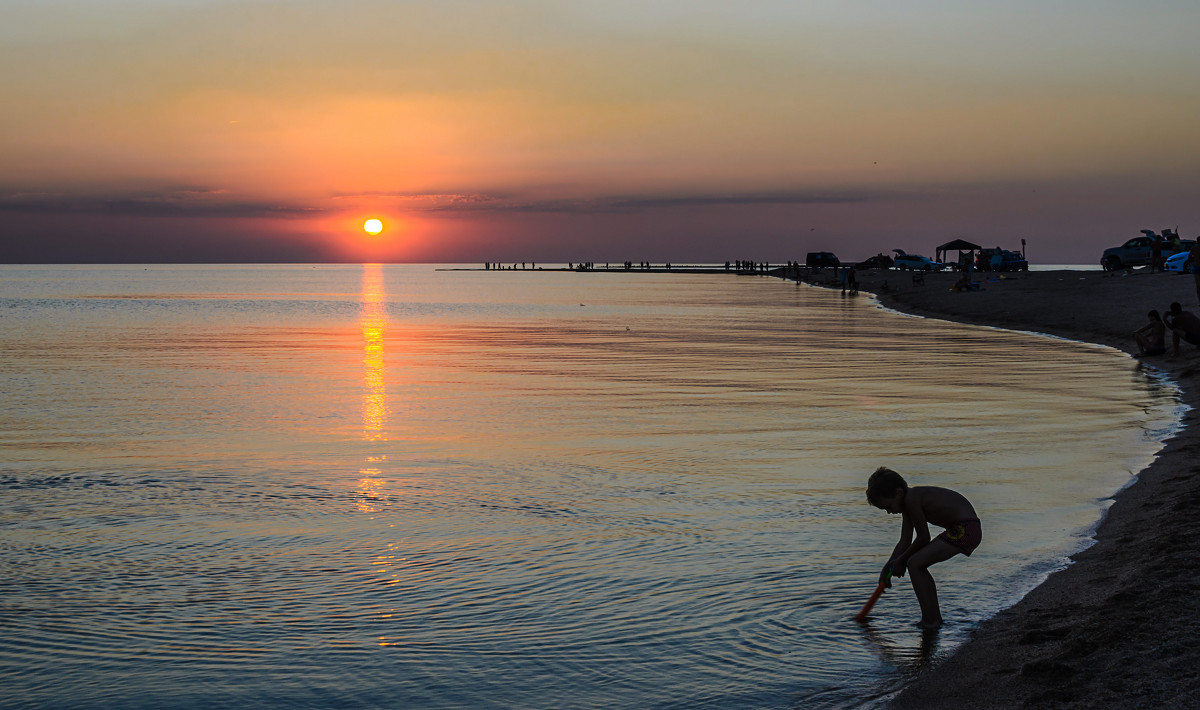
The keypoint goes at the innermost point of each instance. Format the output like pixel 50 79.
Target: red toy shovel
pixel 862 615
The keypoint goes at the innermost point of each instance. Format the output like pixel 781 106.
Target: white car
pixel 913 262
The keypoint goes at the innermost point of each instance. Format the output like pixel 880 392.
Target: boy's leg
pixel 922 582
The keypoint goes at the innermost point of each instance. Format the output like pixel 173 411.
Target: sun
pixel 373 226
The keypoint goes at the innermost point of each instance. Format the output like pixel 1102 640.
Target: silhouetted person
pixel 1151 338
pixel 1183 325
pixel 1194 261
pixel 917 551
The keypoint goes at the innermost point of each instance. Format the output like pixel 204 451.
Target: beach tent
pixel 959 245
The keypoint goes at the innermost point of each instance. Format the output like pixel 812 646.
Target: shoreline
pixel 1116 627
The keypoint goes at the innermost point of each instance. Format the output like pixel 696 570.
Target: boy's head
pixel 885 486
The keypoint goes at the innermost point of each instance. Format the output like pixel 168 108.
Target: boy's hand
pixel 885 576
pixel 898 569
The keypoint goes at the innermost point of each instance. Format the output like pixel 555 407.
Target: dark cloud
pixel 180 202
pixel 640 204
pixel 428 200
pixel 206 202
pixel 62 237
pixel 482 202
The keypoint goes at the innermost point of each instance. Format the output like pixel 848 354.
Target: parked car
pixel 1136 251
pixel 1181 261
pixel 879 261
pixel 915 262
pixel 818 259
pixel 1001 260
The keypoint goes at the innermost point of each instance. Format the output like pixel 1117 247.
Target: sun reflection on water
pixel 374 404
pixel 373 323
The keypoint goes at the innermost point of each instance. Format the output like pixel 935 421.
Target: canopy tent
pixel 959 245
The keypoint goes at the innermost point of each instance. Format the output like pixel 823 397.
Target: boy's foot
pixel 923 624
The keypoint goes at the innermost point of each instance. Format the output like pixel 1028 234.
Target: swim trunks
pixel 965 535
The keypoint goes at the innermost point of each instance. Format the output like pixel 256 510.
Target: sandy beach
pixel 1116 628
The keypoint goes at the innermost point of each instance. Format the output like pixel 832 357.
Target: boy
pixel 921 505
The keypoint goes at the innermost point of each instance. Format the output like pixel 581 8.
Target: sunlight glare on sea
pixel 395 486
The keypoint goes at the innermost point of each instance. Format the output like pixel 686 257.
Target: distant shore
pixel 1118 627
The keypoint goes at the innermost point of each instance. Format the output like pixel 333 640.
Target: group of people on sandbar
pixel 1151 338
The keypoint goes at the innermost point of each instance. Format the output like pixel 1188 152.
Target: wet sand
pixel 1119 626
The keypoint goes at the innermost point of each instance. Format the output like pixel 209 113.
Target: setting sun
pixel 373 226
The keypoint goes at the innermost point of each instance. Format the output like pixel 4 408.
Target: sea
pixel 422 486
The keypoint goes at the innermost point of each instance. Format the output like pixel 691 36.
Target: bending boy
pixel 922 505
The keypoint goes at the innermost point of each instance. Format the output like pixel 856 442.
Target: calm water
pixel 364 486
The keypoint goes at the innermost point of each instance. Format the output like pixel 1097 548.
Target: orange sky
pixel 556 131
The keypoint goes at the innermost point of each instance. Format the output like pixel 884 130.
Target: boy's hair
pixel 883 484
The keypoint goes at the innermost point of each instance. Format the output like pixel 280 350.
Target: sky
pixel 591 130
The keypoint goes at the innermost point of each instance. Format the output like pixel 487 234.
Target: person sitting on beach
pixel 1183 325
pixel 1151 338
pixel 921 505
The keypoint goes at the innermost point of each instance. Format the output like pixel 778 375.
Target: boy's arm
pixel 914 520
pixel 906 530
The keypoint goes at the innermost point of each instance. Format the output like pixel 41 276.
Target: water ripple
pixel 346 487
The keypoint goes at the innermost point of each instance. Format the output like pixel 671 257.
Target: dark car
pixel 1138 251
pixel 819 259
pixel 916 262
pixel 879 261
pixel 1001 260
